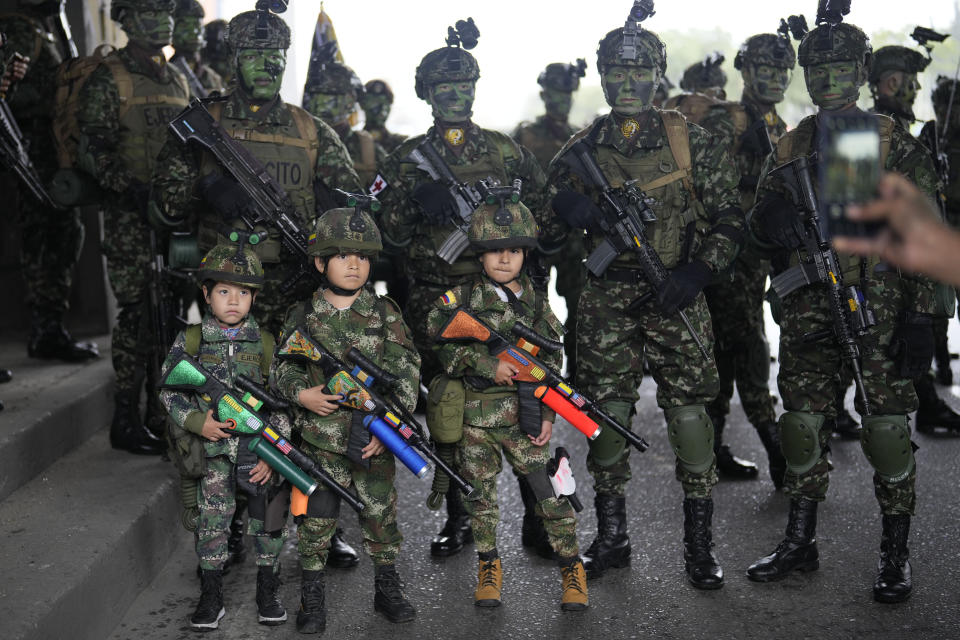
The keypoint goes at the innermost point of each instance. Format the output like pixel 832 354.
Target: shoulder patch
pixel 449 299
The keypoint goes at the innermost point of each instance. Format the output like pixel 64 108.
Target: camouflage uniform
pixel 50 239
pixel 376 123
pixel 374 326
pixel 225 357
pixel 490 419
pixel 216 51
pixel 119 143
pixel 187 40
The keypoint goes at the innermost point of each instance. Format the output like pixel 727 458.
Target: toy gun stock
pixel 241 412
pixel 552 389
pixel 561 478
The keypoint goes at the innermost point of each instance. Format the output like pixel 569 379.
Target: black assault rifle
pixel 850 317
pixel 196 88
pixel 270 205
pixel 425 156
pixel 624 212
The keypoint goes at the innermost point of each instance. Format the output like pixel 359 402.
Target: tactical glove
pixel 576 209
pixel 682 286
pixel 912 345
pixel 436 201
pixel 223 194
pixel 779 222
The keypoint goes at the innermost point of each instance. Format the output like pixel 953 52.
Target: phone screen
pixel 849 155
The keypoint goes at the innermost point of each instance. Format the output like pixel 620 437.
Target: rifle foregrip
pixel 260 392
pixel 523 331
pixel 375 370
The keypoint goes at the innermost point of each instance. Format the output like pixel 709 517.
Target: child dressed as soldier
pixel 228 343
pixel 492 422
pixel 345 313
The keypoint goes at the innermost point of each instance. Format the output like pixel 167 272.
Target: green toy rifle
pixel 241 412
pixel 850 316
pixel 624 212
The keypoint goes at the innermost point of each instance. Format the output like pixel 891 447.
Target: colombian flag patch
pixel 449 298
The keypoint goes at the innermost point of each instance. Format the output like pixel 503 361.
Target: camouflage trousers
pixel 480 454
pixel 741 350
pixel 809 378
pixel 612 342
pixel 50 244
pixel 378 521
pixel 217 502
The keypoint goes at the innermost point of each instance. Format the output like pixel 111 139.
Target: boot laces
pixel 312 596
pixel 571 579
pixel 488 570
pixel 391 585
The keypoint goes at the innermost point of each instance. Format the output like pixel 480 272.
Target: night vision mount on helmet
pixel 632 44
pixel 833 40
pixel 563 77
pixel 453 63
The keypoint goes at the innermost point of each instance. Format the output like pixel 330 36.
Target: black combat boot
pixel 611 548
pixel 5 375
pixel 532 533
pixel 797 551
pixel 210 608
pixel 769 433
pixel 388 598
pixel 933 412
pixel 341 554
pixel 127 431
pixel 456 531
pixel 51 341
pixel 312 616
pixel 270 611
pixel 729 465
pixel 893 571
pixel 703 568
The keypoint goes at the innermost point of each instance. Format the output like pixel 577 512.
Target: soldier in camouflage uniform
pixel 342 314
pixel 376 100
pixel 228 344
pixel 544 137
pixel 692 183
pixel 188 41
pixel 417 217
pixel 894 86
pixel 836 60
pixel 216 50
pixel 120 137
pixel 703 78
pixel 304 155
pixel 494 422
pixel 50 239
pixel 736 301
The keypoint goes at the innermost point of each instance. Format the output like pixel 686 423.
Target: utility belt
pixel 528 406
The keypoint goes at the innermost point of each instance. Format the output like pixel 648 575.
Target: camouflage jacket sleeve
pixel 287 377
pixel 459 358
pixel 334 168
pixel 400 356
pixel 182 405
pixel 98 119
pixel 174 178
pixel 398 219
pixel 718 123
pixel 715 180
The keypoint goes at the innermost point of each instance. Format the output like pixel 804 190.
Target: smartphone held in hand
pixel 849 169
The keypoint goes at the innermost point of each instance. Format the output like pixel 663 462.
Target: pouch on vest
pixel 445 405
pixel 528 409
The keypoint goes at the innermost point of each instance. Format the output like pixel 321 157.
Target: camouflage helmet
pixel 378 88
pixel 189 9
pixel 835 43
pixel 704 74
pixel 215 37
pixel 453 63
pixel 333 77
pixel 560 76
pixel 345 230
pixel 894 58
pixel 258 30
pixel 232 263
pixel 117 6
pixel 768 49
pixel 501 226
pixel 651 52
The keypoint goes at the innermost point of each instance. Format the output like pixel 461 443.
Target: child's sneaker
pixel 269 610
pixel 210 608
pixel 489 582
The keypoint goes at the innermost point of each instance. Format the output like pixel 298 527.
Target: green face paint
pixel 149 29
pixel 376 108
pixel 833 85
pixel 332 108
pixel 261 72
pixel 629 90
pixel 452 101
pixel 907 94
pixel 765 84
pixel 557 103
pixel 187 35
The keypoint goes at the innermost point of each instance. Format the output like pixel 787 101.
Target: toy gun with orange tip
pixel 241 411
pixel 384 415
pixel 552 390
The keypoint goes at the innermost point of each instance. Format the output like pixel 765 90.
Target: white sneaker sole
pixel 208 626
